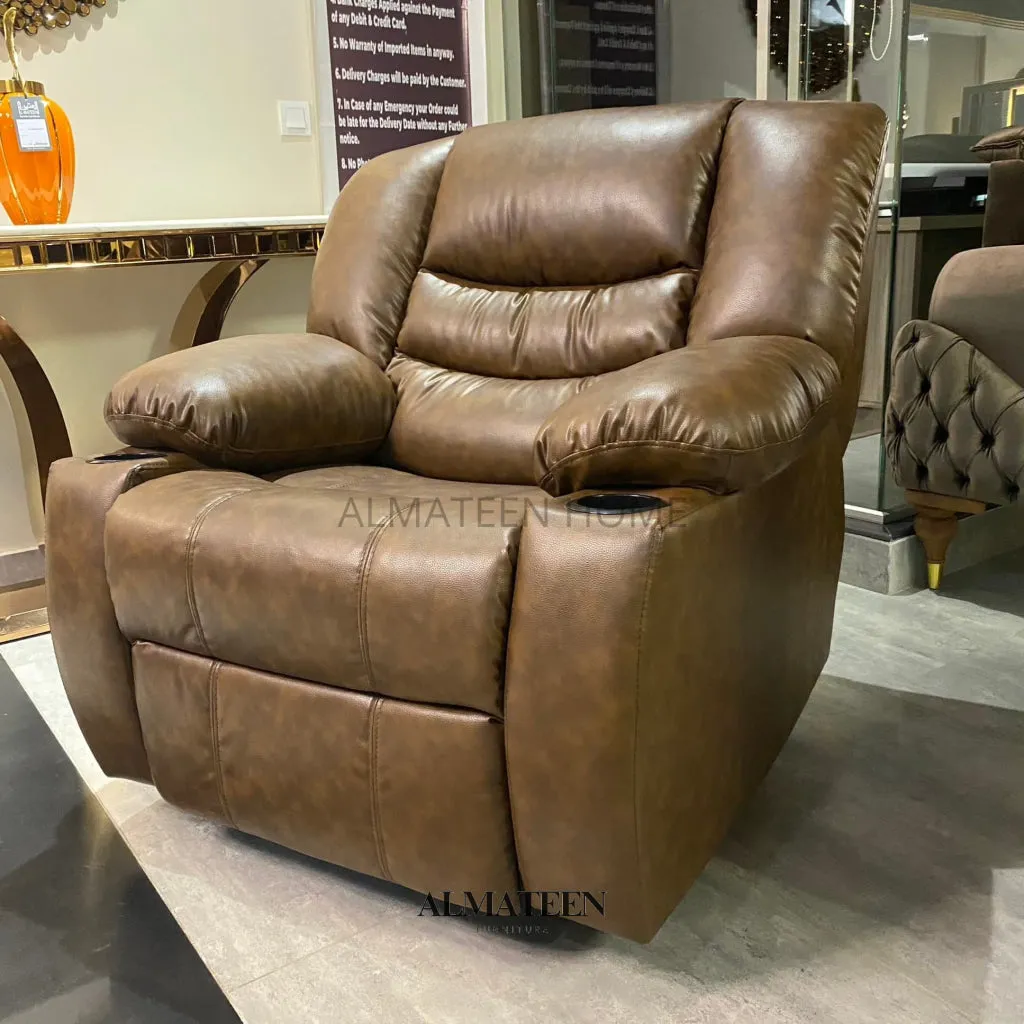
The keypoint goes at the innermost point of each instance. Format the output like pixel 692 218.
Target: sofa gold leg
pixel 936 529
pixel 935 524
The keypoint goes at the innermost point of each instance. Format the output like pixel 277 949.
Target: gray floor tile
pixel 251 906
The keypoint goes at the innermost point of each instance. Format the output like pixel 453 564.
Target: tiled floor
pixel 878 876
pixel 84 937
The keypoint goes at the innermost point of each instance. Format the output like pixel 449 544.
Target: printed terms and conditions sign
pixel 400 73
pixel 604 53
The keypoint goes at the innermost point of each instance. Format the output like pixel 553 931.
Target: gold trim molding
pixel 47 250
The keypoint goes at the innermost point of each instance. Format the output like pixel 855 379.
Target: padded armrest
pixel 256 403
pixel 980 296
pixel 1005 144
pixel 725 417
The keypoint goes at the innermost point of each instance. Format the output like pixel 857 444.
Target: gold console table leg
pixel 203 313
pixel 42 432
pixel 42 439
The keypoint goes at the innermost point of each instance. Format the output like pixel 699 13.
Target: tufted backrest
pixel 498 275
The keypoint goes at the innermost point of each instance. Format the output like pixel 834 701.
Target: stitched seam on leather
pixel 712 203
pixel 203 442
pixel 503 723
pixel 655 551
pixel 362 585
pixel 417 363
pixel 378 832
pixel 218 775
pixel 143 471
pixel 190 551
pixel 574 457
pixel 427 227
pixel 135 476
pixel 712 199
pixel 512 548
pixel 131 480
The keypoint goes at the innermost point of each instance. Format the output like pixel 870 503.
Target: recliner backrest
pixel 497 275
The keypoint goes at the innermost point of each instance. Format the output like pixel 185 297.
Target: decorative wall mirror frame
pixel 34 15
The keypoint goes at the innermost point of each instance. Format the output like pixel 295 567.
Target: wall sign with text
pixel 603 53
pixel 400 75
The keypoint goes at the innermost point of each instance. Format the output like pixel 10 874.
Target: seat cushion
pixel 388 482
pixel 407 596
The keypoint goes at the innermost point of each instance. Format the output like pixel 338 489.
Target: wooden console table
pixel 236 249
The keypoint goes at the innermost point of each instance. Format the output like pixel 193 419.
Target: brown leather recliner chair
pixel 955 418
pixel 344 604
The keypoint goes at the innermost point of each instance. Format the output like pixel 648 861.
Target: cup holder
pixel 617 504
pixel 124 455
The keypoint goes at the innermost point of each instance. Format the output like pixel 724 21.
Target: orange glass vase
pixel 37 150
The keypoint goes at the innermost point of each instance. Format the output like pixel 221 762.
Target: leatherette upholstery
pixel 197 564
pixel 719 417
pixel 413 656
pixel 260 403
pixel 695 644
pixel 373 248
pixel 92 654
pixel 253 750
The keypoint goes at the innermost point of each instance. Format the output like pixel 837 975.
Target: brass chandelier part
pixel 32 15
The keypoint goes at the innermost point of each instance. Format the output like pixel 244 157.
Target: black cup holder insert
pixel 617 504
pixel 125 455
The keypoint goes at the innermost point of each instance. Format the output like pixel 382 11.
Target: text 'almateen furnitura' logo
pixel 525 903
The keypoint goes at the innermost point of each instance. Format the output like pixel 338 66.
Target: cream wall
pixel 174 108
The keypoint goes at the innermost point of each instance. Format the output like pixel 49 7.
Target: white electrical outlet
pixel 295 117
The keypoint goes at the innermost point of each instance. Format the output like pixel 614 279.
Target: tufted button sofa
pixel 955 419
